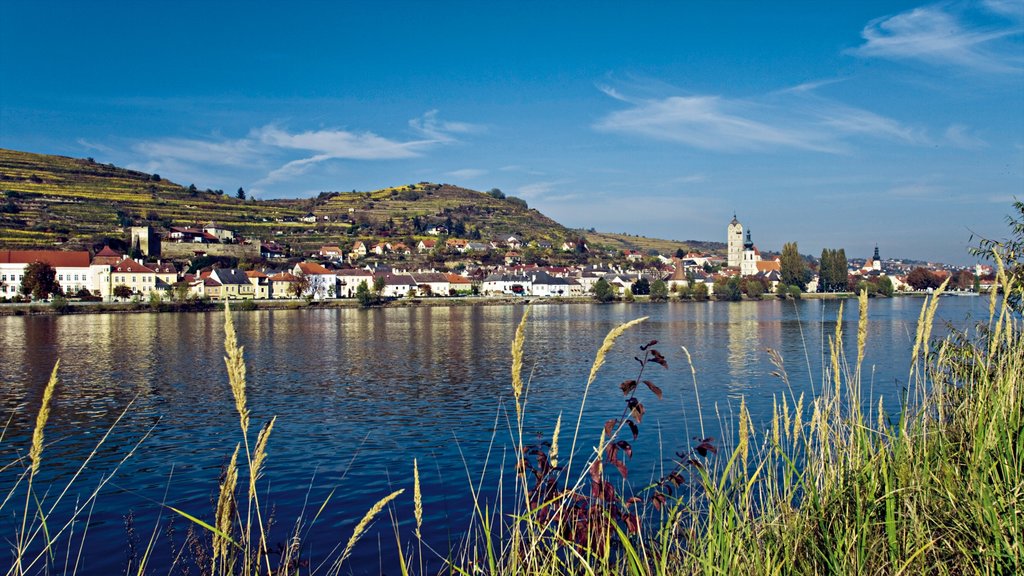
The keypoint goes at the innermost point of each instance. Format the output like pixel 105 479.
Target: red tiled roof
pixel 457 279
pixel 313 268
pixel 255 274
pixel 55 258
pixel 129 265
pixel 283 277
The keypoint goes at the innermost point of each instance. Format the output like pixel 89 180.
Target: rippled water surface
pixel 360 393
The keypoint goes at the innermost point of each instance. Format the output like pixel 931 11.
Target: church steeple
pixel 748 244
pixel 876 257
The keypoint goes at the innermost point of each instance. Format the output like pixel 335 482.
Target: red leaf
pixel 658 500
pixel 627 387
pixel 609 427
pixel 655 389
pixel 633 428
pixel 622 468
pixel 649 344
pixel 625 448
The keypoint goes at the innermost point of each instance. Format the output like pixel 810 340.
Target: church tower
pixel 748 264
pixel 734 240
pixel 876 260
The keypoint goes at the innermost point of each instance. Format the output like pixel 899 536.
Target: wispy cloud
pixel 539 189
pixel 787 119
pixel 432 126
pixel 466 173
pixel 960 136
pixel 975 37
pixel 282 154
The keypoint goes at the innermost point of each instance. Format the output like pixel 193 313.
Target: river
pixel 358 394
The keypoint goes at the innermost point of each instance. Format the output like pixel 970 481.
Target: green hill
pixel 51 201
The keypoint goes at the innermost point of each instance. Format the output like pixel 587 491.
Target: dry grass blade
pixel 236 367
pixel 260 455
pixel 553 453
pixel 364 524
pixel 225 510
pixel 417 498
pixel 517 361
pixel 606 346
pixel 36 452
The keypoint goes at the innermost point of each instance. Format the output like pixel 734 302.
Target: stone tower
pixel 734 240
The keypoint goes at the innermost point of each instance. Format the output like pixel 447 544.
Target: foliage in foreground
pixel 829 488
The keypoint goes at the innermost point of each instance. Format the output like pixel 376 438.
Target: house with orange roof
pixel 425 245
pixel 73 269
pixel 261 283
pixel 331 252
pixel 322 282
pixel 359 250
pixel 283 286
pixel 140 278
pixel 458 284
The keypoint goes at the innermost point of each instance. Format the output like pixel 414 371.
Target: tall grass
pixel 934 484
pixel 837 484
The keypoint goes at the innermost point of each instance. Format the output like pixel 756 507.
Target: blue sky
pixel 833 124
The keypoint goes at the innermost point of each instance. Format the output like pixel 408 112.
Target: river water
pixel 358 394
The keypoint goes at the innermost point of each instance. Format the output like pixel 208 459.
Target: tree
pixel 794 270
pixel 603 291
pixel 365 297
pixel 39 281
pixel 680 253
pixel 240 194
pixel 885 287
pixel 754 287
pixel 1010 251
pixel 496 193
pixel 699 291
pixel 832 271
pixel 641 287
pixel 728 289
pixel 122 292
pixel 922 279
pixel 378 284
pixel 659 291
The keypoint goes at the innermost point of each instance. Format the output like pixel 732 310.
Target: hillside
pixel 51 201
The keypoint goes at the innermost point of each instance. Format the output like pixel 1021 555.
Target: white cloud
pixel 949 34
pixel 294 153
pixel 538 189
pixel 240 152
pixel 466 173
pixel 789 119
pixel 431 126
pixel 960 136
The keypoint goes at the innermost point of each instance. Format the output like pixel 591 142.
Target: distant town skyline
pixel 839 125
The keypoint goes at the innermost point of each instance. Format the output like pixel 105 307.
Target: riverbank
pixel 66 307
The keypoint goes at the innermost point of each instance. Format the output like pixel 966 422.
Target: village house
pixel 223 235
pixel 261 283
pixel 234 283
pixel 358 250
pixel 166 275
pixel 349 280
pixel 282 286
pixel 73 270
pixel 330 252
pixel 272 251
pixel 322 282
pixel 309 218
pixel 139 278
pixel 457 244
pixel 458 284
pixel 425 245
pixel 398 285
pixel 432 283
pixel 506 284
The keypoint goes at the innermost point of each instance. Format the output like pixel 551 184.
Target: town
pixel 210 262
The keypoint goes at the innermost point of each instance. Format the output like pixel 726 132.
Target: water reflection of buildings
pixel 743 345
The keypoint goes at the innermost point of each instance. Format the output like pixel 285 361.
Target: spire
pixel 876 257
pixel 748 244
pixel 734 220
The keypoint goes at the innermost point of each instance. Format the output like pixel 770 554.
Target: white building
pixel 73 272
